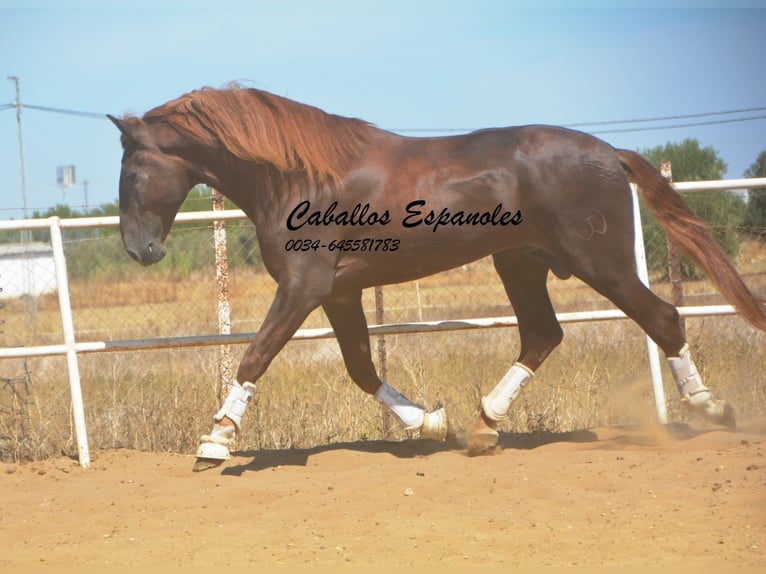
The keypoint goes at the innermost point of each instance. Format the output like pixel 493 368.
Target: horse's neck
pixel 263 193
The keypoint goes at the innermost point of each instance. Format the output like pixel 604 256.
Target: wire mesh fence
pixel 163 399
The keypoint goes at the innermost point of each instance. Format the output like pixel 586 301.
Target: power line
pixel 631 121
pixel 94 115
pixel 78 113
pixel 690 125
pixel 666 118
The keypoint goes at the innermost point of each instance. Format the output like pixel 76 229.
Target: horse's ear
pixel 133 132
pixel 120 124
pixel 128 134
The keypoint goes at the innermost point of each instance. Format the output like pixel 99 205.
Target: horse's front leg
pixel 292 304
pixel 346 315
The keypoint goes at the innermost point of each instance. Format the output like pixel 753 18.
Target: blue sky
pixel 403 65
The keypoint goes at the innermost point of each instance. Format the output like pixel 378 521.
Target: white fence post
pixel 78 412
pixel 651 347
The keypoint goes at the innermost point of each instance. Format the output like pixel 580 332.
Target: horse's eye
pixel 130 177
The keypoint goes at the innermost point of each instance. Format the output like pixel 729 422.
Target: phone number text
pixel 349 245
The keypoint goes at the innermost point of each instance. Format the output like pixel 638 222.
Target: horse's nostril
pixel 133 254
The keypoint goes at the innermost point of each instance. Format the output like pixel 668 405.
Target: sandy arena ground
pixel 684 496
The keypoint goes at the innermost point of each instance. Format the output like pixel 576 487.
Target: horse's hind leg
pixel 346 315
pixel 616 280
pixel 524 278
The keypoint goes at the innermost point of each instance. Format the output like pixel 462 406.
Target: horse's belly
pixel 418 255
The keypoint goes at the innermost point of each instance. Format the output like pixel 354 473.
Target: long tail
pixel 692 236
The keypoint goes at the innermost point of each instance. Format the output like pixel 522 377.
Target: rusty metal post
pixel 382 357
pixel 674 258
pixel 222 296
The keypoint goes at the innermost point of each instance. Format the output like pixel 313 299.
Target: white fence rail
pixel 70 347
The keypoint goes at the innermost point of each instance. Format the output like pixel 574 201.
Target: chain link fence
pixel 163 399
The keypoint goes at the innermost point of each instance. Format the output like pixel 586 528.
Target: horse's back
pixel 533 148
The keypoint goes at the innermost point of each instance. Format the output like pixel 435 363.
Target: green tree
pixel 755 217
pixel 723 212
pixel 107 209
pixel 60 210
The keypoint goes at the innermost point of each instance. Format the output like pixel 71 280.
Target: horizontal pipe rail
pixel 327 333
pixel 234 214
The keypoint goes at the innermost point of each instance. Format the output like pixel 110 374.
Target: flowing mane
pixel 258 126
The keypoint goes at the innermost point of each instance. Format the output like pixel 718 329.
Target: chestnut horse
pixel 340 205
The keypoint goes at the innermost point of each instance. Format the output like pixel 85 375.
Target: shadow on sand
pixel 607 438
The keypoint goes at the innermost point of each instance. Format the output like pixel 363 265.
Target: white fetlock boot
pixel 435 425
pixel 215 446
pixel 497 404
pixel 495 407
pixel 411 416
pixel 695 395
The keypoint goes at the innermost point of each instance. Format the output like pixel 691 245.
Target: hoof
pixel 211 452
pixel 482 443
pixel 725 416
pixel 435 426
pixel 483 438
pixel 729 418
pixel 717 411
pixel 210 455
pixel 206 464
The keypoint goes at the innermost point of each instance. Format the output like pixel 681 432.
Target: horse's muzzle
pixel 148 254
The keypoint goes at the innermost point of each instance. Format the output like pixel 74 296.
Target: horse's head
pixel 153 185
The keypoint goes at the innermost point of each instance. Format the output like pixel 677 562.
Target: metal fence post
pixel 222 295
pixel 651 347
pixel 78 411
pixel 382 357
pixel 674 258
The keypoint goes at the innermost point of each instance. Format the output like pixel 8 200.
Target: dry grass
pixel 163 400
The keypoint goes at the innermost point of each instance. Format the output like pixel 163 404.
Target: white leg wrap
pixel 215 446
pixel 694 393
pixel 685 373
pixel 235 405
pixel 497 404
pixel 410 415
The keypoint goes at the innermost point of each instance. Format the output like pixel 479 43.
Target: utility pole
pixel 17 104
pixel 26 234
